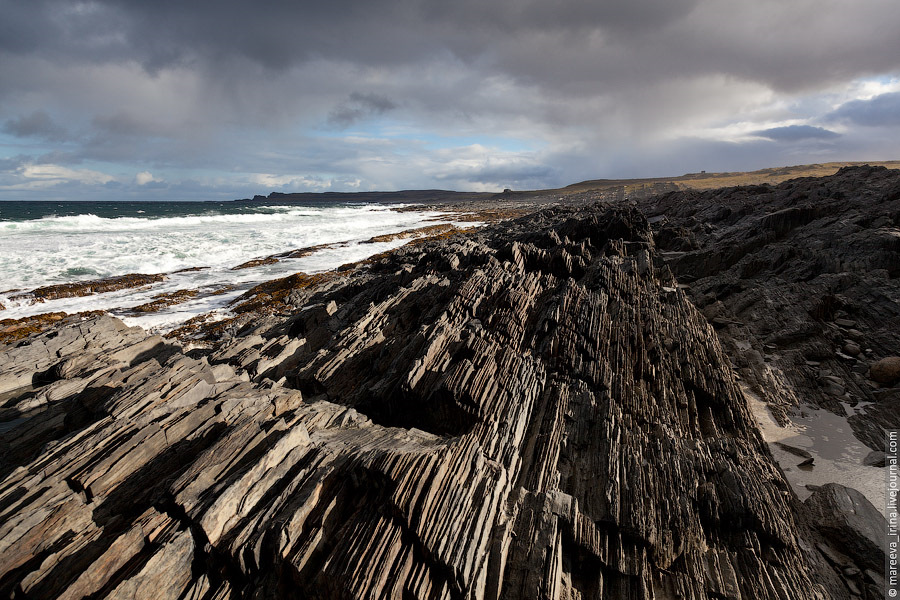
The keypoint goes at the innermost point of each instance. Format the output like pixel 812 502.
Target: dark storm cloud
pixel 601 88
pixel 564 41
pixel 358 107
pixel 121 124
pixel 38 124
pixel 278 34
pixel 882 110
pixel 793 133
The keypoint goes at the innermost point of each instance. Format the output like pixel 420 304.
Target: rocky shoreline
pixel 549 406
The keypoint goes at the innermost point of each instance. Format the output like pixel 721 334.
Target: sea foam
pixel 63 249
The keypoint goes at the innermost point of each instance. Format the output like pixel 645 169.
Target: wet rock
pixel 256 262
pixel 94 286
pixel 886 370
pixel 427 231
pixel 846 516
pixel 794 450
pixel 164 300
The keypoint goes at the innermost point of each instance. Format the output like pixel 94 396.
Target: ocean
pixel 46 243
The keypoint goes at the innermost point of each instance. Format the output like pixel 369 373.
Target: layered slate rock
pixel 532 410
pixel 802 282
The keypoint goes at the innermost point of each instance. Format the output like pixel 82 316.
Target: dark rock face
pixel 847 517
pixel 533 410
pixel 801 281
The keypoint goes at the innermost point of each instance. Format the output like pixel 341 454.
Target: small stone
pixel 876 458
pixel 806 464
pixel 886 370
pixel 852 349
pixel 851 571
pixel 834 389
pixel 845 323
pixel 794 450
pixel 855 334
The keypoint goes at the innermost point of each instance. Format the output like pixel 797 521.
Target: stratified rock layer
pixel 534 410
pixel 802 281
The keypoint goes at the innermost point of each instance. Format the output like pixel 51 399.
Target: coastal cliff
pixel 533 409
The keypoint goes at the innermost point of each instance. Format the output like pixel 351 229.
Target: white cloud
pixel 145 177
pixel 56 174
pixel 269 180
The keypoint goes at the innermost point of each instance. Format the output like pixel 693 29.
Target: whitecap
pixel 62 249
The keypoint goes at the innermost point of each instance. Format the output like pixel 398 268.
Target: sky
pixel 203 100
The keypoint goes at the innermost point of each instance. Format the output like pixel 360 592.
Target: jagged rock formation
pixel 802 281
pixel 532 410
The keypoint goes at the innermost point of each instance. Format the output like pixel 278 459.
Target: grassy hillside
pixel 703 180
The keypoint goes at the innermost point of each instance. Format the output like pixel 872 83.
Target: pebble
pixel 855 334
pixel 851 571
pixel 852 349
